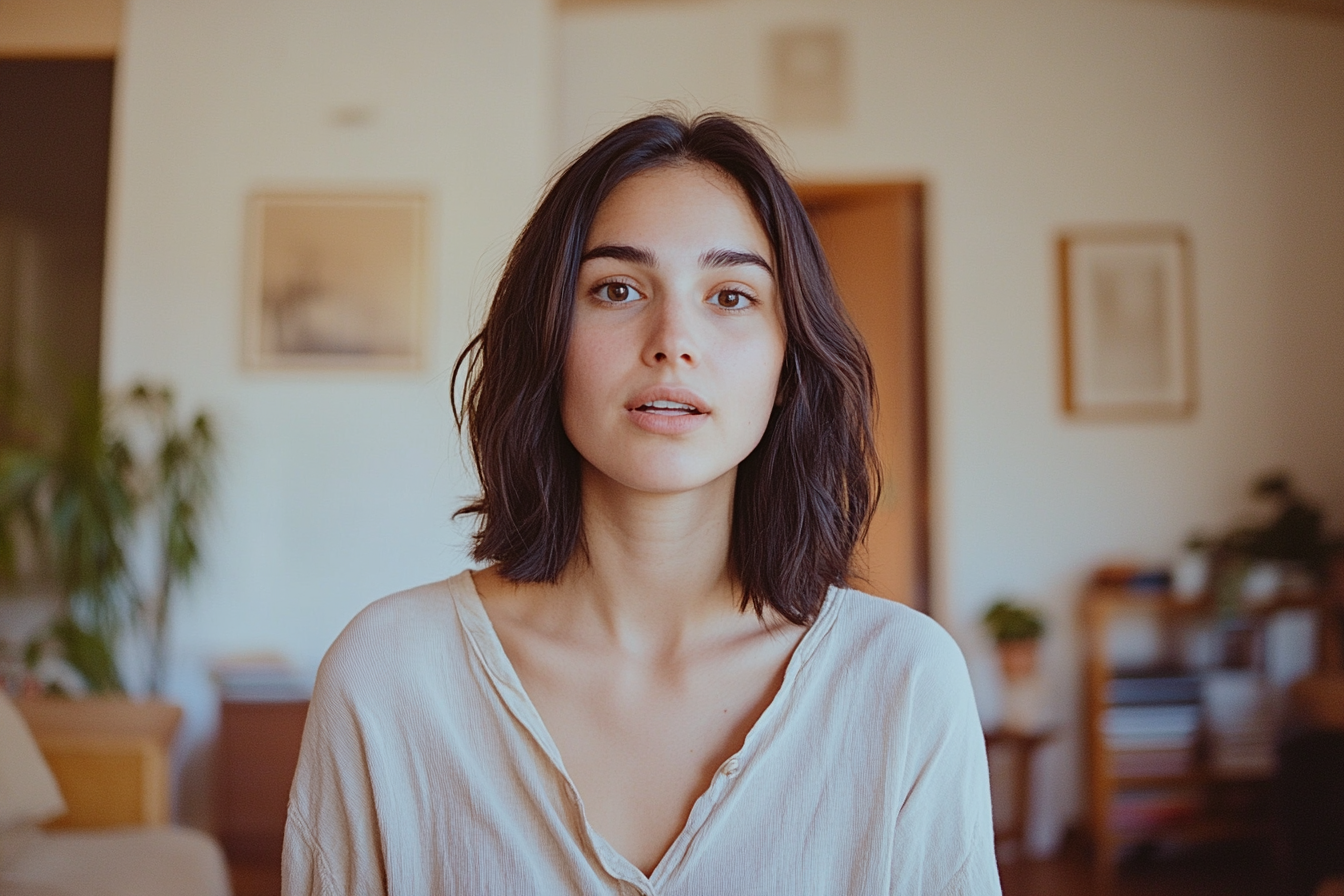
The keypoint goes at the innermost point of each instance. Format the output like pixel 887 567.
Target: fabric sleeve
pixel 946 810
pixel 332 840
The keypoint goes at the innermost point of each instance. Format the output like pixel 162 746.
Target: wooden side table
pixel 257 753
pixel 1023 746
pixel 110 757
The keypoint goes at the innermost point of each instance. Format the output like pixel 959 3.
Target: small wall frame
pixel 334 281
pixel 1127 322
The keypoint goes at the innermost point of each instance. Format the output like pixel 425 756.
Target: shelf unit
pixel 1198 803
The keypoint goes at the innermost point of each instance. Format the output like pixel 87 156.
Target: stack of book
pixel 259 678
pixel 1242 721
pixel 1151 724
pixel 1136 810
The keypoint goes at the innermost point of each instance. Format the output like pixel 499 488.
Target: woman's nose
pixel 671 336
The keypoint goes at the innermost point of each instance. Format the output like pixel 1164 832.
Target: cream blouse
pixel 426 770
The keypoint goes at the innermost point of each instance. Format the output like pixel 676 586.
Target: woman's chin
pixel 666 478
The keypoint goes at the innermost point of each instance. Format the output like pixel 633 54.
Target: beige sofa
pixel 40 857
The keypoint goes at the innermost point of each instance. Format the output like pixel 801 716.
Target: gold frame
pixel 1164 252
pixel 335 280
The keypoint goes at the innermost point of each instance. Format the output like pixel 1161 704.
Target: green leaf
pixel 90 654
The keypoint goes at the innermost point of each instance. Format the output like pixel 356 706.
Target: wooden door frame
pixel 820 193
pixel 69 29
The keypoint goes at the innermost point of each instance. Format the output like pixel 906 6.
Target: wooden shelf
pixel 1224 813
pixel 1204 605
pixel 1200 829
pixel 1141 782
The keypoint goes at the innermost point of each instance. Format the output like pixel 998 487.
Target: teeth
pixel 670 405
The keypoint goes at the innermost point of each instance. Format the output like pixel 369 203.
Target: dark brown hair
pixel 803 497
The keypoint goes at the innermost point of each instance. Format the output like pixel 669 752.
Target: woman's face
pixel 678 335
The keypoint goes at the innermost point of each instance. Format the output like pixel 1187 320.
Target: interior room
pixel 990 178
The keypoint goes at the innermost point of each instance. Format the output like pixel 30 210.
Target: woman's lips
pixel 668 410
pixel 664 421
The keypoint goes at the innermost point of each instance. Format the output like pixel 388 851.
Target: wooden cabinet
pixel 110 757
pixel 257 753
pixel 1163 761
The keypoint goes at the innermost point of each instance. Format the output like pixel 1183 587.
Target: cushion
pixel 134 861
pixel 28 792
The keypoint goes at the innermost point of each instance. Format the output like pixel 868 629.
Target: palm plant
pixel 178 491
pixel 74 509
pixel 71 505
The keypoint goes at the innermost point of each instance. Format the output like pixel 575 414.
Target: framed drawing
pixel 1128 333
pixel 335 280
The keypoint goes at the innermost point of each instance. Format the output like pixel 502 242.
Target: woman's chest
pixel 641 745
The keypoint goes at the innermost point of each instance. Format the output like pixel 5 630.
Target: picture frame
pixel 335 280
pixel 1127 322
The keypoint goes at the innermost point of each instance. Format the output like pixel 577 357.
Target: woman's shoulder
pixel 405 612
pixel 893 647
pixel 399 631
pixel 870 624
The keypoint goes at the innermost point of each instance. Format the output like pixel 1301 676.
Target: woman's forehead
pixel 687 203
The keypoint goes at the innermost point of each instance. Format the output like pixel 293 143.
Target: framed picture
pixel 1128 333
pixel 335 280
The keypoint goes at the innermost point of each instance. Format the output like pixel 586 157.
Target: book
pixel 1143 809
pixel 1136 688
pixel 1242 720
pixel 1151 727
pixel 1153 763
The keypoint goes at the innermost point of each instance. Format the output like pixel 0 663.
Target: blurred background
pixel 138 138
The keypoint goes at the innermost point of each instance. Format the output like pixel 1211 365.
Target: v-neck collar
pixel 490 651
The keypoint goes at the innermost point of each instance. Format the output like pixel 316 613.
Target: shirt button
pixel 731 766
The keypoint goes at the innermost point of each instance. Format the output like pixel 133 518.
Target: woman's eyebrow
pixel 727 258
pixel 632 254
pixel 712 258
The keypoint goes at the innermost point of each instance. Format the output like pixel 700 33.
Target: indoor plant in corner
pixel 77 507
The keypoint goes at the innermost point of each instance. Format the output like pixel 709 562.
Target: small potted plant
pixel 1016 630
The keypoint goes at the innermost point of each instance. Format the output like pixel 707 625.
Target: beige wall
pixel 1022 115
pixel 1025 116
pixel 336 489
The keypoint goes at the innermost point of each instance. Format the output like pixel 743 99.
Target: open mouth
pixel 668 408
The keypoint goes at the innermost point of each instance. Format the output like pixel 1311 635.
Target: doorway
pixel 873 236
pixel 56 117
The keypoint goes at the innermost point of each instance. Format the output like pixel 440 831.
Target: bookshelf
pixel 1180 749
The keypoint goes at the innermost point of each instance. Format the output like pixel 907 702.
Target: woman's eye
pixel 731 299
pixel 617 293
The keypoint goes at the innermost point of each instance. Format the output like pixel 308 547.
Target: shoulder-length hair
pixel 805 494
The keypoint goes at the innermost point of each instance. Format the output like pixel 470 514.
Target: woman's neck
pixel 653 564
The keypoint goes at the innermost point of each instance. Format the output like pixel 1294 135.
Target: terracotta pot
pixel 1018 659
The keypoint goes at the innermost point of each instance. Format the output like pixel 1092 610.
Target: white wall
pixel 1025 116
pixel 336 489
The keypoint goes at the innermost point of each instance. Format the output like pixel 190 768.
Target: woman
pixel 660 685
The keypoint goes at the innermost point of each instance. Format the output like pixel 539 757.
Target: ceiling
pixel 1333 8
pixel 1330 8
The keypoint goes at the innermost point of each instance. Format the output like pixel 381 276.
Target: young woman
pixel 661 684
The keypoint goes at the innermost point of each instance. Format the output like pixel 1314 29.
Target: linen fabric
pixel 28 791
pixel 425 769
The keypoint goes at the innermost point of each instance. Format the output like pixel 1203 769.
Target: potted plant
pixel 72 507
pixel 1289 552
pixel 68 508
pixel 1016 630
